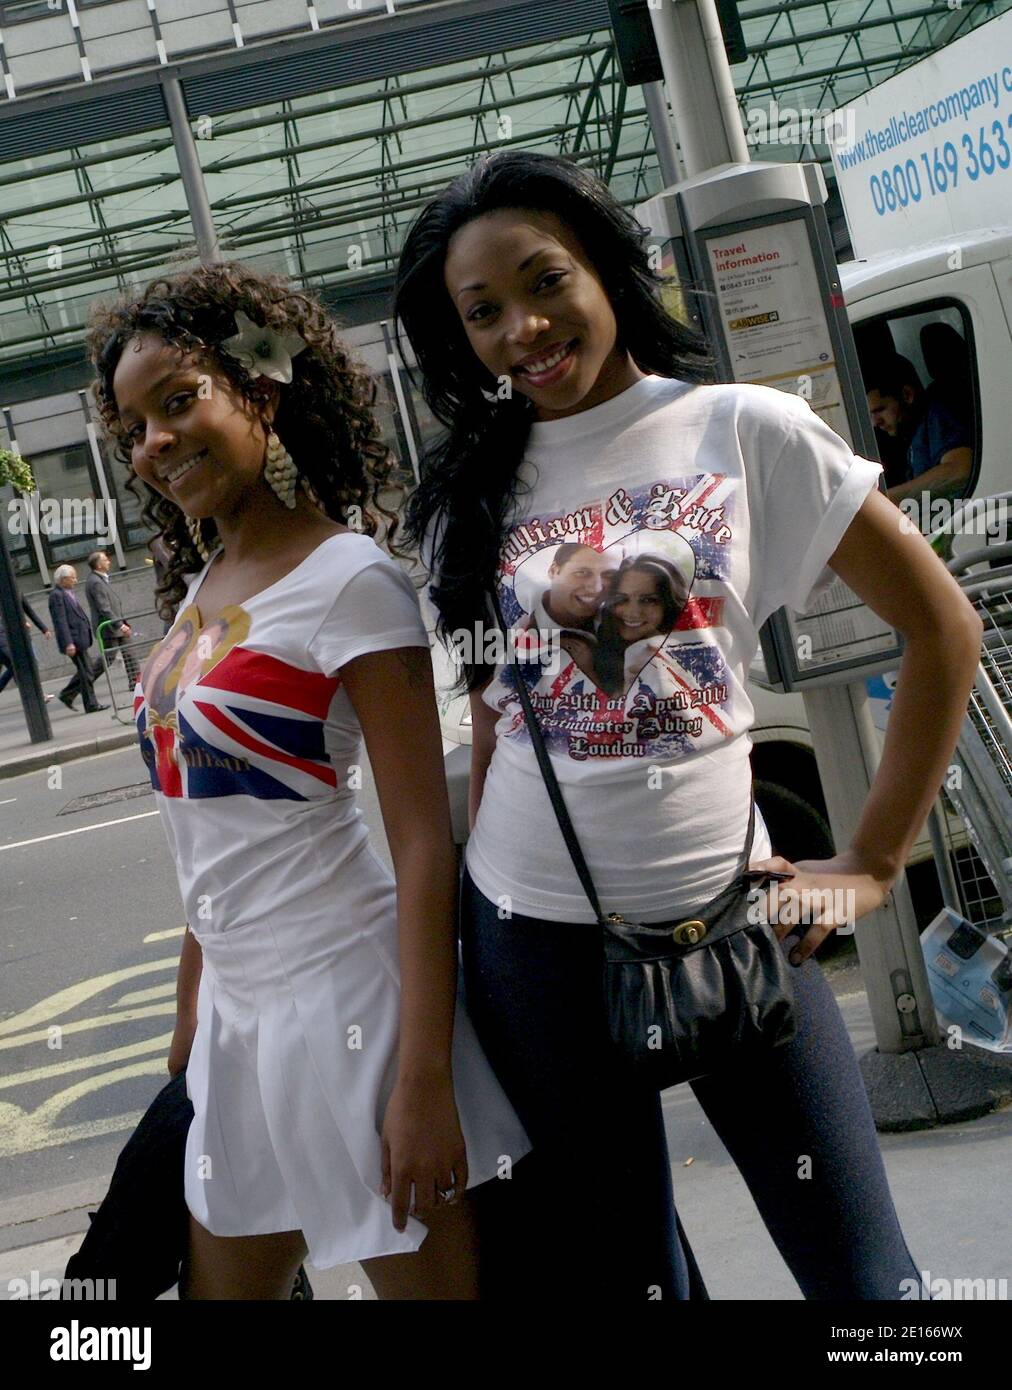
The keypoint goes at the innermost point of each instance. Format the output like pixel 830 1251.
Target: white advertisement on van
pixel 928 153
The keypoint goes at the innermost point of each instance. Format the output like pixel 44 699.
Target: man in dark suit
pixel 73 637
pixel 105 604
pixel 6 659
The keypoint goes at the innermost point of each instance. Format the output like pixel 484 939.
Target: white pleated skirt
pixel 293 1061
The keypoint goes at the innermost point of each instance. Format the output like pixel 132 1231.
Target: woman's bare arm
pixel 191 963
pixel 893 569
pixel 394 697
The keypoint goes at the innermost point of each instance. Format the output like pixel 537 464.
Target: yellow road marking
pixel 27 1141
pixel 99 1059
pixel 24 1131
pixel 79 830
pixel 142 996
pixel 65 999
pixel 164 935
pixel 83 1025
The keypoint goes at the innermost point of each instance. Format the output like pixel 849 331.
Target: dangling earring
pixel 193 526
pixel 280 470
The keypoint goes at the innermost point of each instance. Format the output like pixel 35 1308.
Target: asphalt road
pixel 90 931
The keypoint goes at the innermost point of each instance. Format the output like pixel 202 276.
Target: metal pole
pixel 668 156
pixel 888 941
pixel 402 405
pixel 938 830
pixel 699 85
pixel 723 82
pixel 697 77
pixel 190 171
pixel 103 481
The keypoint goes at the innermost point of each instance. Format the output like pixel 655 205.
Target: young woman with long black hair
pixel 578 410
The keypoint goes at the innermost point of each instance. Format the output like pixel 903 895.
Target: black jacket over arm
pixel 29 613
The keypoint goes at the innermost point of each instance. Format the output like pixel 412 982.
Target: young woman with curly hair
pixel 342 1104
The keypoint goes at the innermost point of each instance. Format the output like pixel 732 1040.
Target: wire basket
pixel 980 788
pixel 146 632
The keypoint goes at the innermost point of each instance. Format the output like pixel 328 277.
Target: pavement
pixel 75 734
pixel 950 1186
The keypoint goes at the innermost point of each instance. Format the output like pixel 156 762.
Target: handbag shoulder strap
pixel 555 791
pixel 548 773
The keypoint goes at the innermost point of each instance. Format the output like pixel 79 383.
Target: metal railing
pixel 981 788
pixel 134 651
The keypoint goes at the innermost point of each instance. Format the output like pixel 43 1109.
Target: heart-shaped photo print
pixel 612 607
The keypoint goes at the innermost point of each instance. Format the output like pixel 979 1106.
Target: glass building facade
pixel 320 128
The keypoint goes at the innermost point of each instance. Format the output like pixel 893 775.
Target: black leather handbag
pixel 682 998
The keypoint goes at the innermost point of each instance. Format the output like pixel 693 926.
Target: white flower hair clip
pixel 263 351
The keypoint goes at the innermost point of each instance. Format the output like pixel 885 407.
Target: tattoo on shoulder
pixel 417 662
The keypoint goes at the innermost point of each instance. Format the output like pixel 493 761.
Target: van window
pixel 920 376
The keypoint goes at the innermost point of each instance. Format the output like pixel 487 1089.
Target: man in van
pixel 939 456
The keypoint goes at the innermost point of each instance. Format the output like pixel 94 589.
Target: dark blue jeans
pixel 593 1203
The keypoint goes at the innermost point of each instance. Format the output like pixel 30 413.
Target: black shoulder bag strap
pixel 548 773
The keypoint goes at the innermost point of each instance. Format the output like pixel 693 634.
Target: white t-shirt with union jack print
pixel 252 744
pixel 657 533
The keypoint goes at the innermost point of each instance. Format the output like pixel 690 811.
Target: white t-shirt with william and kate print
pixel 687 514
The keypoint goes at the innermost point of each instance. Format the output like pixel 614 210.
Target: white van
pixel 964 282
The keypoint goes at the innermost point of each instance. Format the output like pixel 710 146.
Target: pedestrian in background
pixel 106 605
pixel 6 657
pixel 73 637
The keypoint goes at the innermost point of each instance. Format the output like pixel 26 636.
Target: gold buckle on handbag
pixel 688 933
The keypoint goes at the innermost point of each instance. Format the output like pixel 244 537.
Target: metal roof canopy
pixel 353 52
pixel 384 49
